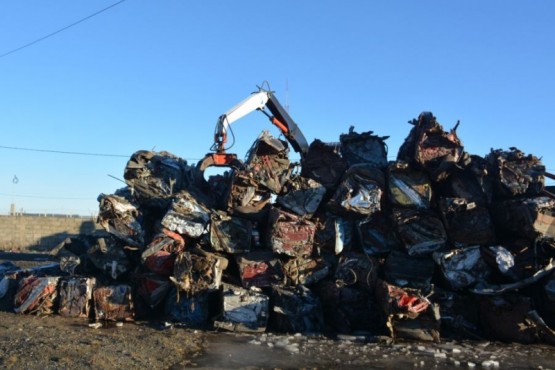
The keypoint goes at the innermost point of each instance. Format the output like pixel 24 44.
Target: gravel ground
pixel 54 342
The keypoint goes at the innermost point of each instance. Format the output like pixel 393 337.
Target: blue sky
pixel 156 75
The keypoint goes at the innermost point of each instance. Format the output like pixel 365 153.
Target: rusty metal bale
pixel 196 271
pixel 305 270
pixel 431 148
pixel 75 296
pixel 268 162
pixel 246 198
pixel 409 314
pixel 515 173
pixel 37 295
pixel 155 177
pixel 260 269
pixel 152 288
pixel 160 254
pixel 114 303
pixel 121 217
pixel 290 234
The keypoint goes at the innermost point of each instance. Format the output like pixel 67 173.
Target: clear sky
pixel 156 75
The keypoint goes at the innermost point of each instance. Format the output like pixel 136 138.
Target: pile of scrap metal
pixel 436 244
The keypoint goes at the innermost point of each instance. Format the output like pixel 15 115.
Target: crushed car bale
pixel 436 243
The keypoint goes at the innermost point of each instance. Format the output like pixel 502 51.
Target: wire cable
pixel 77 153
pixel 64 152
pixel 60 30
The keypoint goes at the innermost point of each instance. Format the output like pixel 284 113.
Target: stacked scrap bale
pixel 437 243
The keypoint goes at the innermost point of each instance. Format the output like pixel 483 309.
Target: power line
pixel 77 153
pixel 41 196
pixel 64 152
pixel 60 30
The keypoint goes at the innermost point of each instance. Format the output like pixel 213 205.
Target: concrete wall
pixel 41 233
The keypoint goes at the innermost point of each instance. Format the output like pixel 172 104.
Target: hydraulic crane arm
pixel 261 100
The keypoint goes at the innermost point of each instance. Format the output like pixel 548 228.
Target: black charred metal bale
pixel 348 309
pixel 296 310
pixel 470 181
pixel 512 318
pixel 515 173
pixel 122 218
pixel 409 314
pixel 160 254
pixel 197 271
pixel 375 235
pixel 107 255
pixel 361 192
pixel 187 215
pixel 156 177
pixel 407 186
pixel 530 218
pixel 324 164
pixel 466 222
pixel 246 197
pixel 545 301
pixel 302 196
pixel 404 270
pixel 75 296
pixel 431 148
pixel 260 269
pixel 230 234
pixel 357 269
pixel 459 313
pixel 305 270
pixel 462 269
pixel 364 148
pixel 243 310
pixel 190 310
pixel 334 234
pixel 114 303
pixel 268 162
pixel 290 234
pixel 420 232
pixel 37 295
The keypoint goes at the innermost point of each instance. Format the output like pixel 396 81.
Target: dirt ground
pixel 54 342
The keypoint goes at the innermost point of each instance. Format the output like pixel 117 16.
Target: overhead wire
pixel 75 153
pixel 60 30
